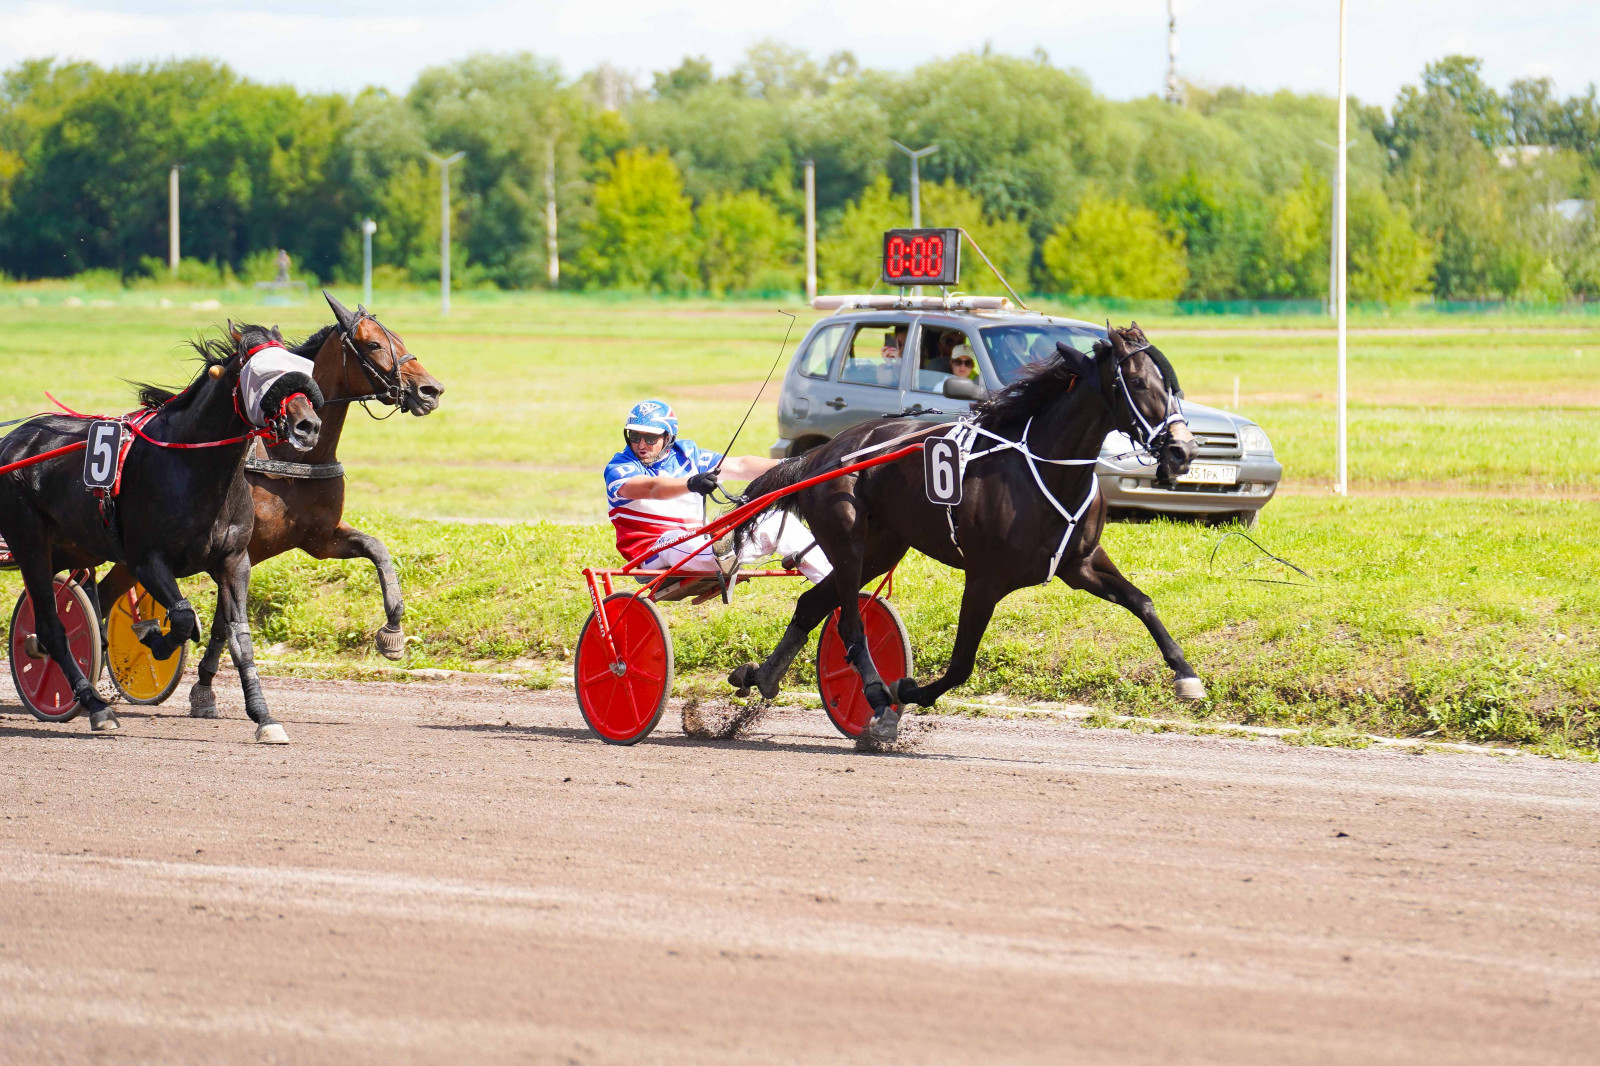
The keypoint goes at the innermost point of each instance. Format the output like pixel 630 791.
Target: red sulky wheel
pixel 622 701
pixel 837 681
pixel 40 682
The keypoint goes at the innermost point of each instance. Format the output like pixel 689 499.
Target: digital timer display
pixel 922 256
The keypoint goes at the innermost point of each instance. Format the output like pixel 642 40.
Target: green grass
pixel 1453 601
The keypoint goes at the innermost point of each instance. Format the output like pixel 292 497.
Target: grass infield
pixel 1453 595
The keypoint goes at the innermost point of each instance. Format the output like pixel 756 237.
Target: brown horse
pixel 299 498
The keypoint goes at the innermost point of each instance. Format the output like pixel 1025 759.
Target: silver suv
pixel 844 372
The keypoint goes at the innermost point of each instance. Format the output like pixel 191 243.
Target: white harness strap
pixel 966 435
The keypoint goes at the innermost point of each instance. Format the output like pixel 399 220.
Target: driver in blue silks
pixel 654 486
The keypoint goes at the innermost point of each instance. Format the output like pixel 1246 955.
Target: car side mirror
pixel 963 389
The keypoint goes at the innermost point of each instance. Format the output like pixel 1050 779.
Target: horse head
pixel 1136 390
pixel 390 371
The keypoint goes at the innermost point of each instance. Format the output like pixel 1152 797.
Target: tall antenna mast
pixel 1174 86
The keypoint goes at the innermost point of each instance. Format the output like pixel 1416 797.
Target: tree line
pixel 693 182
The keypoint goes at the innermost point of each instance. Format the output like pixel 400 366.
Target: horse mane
pixel 313 344
pixel 1037 385
pixel 212 351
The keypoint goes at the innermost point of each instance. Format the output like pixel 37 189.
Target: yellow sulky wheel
pixel 140 677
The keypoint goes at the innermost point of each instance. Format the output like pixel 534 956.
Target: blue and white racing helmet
pixel 653 416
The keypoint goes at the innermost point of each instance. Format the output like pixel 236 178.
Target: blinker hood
pixel 269 377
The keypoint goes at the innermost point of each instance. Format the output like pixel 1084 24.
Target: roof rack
pixel 891 302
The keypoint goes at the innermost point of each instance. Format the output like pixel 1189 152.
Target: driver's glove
pixel 704 484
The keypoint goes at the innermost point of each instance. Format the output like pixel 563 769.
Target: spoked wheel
pixel 40 682
pixel 622 699
pixel 837 681
pixel 137 674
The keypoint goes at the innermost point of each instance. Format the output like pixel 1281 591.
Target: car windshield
pixel 1013 347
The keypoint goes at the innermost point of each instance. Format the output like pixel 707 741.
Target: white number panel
pixel 100 461
pixel 941 471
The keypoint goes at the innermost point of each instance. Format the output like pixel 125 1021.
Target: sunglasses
pixel 636 437
pixel 962 362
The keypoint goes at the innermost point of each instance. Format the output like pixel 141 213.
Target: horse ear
pixel 346 319
pixel 1079 363
pixel 362 310
pixel 234 331
pixel 1119 343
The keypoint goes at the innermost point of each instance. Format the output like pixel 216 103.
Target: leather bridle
pixel 388 386
pixel 1150 436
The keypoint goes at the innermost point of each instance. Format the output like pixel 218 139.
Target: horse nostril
pixel 430 392
pixel 306 429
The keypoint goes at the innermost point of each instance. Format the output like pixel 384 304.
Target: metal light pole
pixel 1174 86
pixel 552 246
pixel 1333 240
pixel 811 229
pixel 368 228
pixel 1343 485
pixel 444 226
pixel 916 189
pixel 172 215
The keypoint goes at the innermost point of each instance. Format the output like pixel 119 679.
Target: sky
pixel 345 45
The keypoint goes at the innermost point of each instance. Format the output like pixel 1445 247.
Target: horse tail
pixel 786 474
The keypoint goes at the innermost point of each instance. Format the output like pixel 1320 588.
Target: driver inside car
pixel 654 487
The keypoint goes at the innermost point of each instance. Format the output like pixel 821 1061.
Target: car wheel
pixel 1248 519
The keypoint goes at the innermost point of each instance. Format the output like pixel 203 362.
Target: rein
pixel 127 420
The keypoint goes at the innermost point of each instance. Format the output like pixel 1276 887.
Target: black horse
pixel 180 511
pixel 1005 532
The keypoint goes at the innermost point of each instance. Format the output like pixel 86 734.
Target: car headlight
pixel 1116 443
pixel 1254 439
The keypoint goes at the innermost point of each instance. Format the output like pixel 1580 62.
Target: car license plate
pixel 1210 474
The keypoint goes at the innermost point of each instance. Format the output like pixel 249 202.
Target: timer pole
pixel 172 219
pixel 444 226
pixel 811 229
pixel 916 189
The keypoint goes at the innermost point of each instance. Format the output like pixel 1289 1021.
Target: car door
pixel 864 383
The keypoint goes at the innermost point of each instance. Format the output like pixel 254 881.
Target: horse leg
pixel 40 583
pixel 156 576
pixel 1097 574
pixel 347 542
pixel 233 590
pixel 202 698
pixel 977 607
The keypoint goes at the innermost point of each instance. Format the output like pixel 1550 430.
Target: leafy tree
pixel 1004 240
pixel 1390 262
pixel 1112 248
pixel 747 245
pixel 850 252
pixel 641 235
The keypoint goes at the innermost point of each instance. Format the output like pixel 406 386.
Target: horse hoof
pixel 885 728
pixel 104 721
pixel 202 702
pixel 272 733
pixel 742 678
pixel 391 642
pixel 1189 688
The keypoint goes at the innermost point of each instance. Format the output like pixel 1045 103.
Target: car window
pixel 873 357
pixel 933 356
pixel 1013 347
pixel 817 357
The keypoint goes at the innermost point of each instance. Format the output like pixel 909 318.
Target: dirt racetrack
pixel 459 874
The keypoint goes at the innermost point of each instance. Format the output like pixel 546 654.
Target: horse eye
pixel 1139 385
pixel 373 346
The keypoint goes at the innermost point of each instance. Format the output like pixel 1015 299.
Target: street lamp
pixel 172 225
pixel 368 228
pixel 916 188
pixel 444 226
